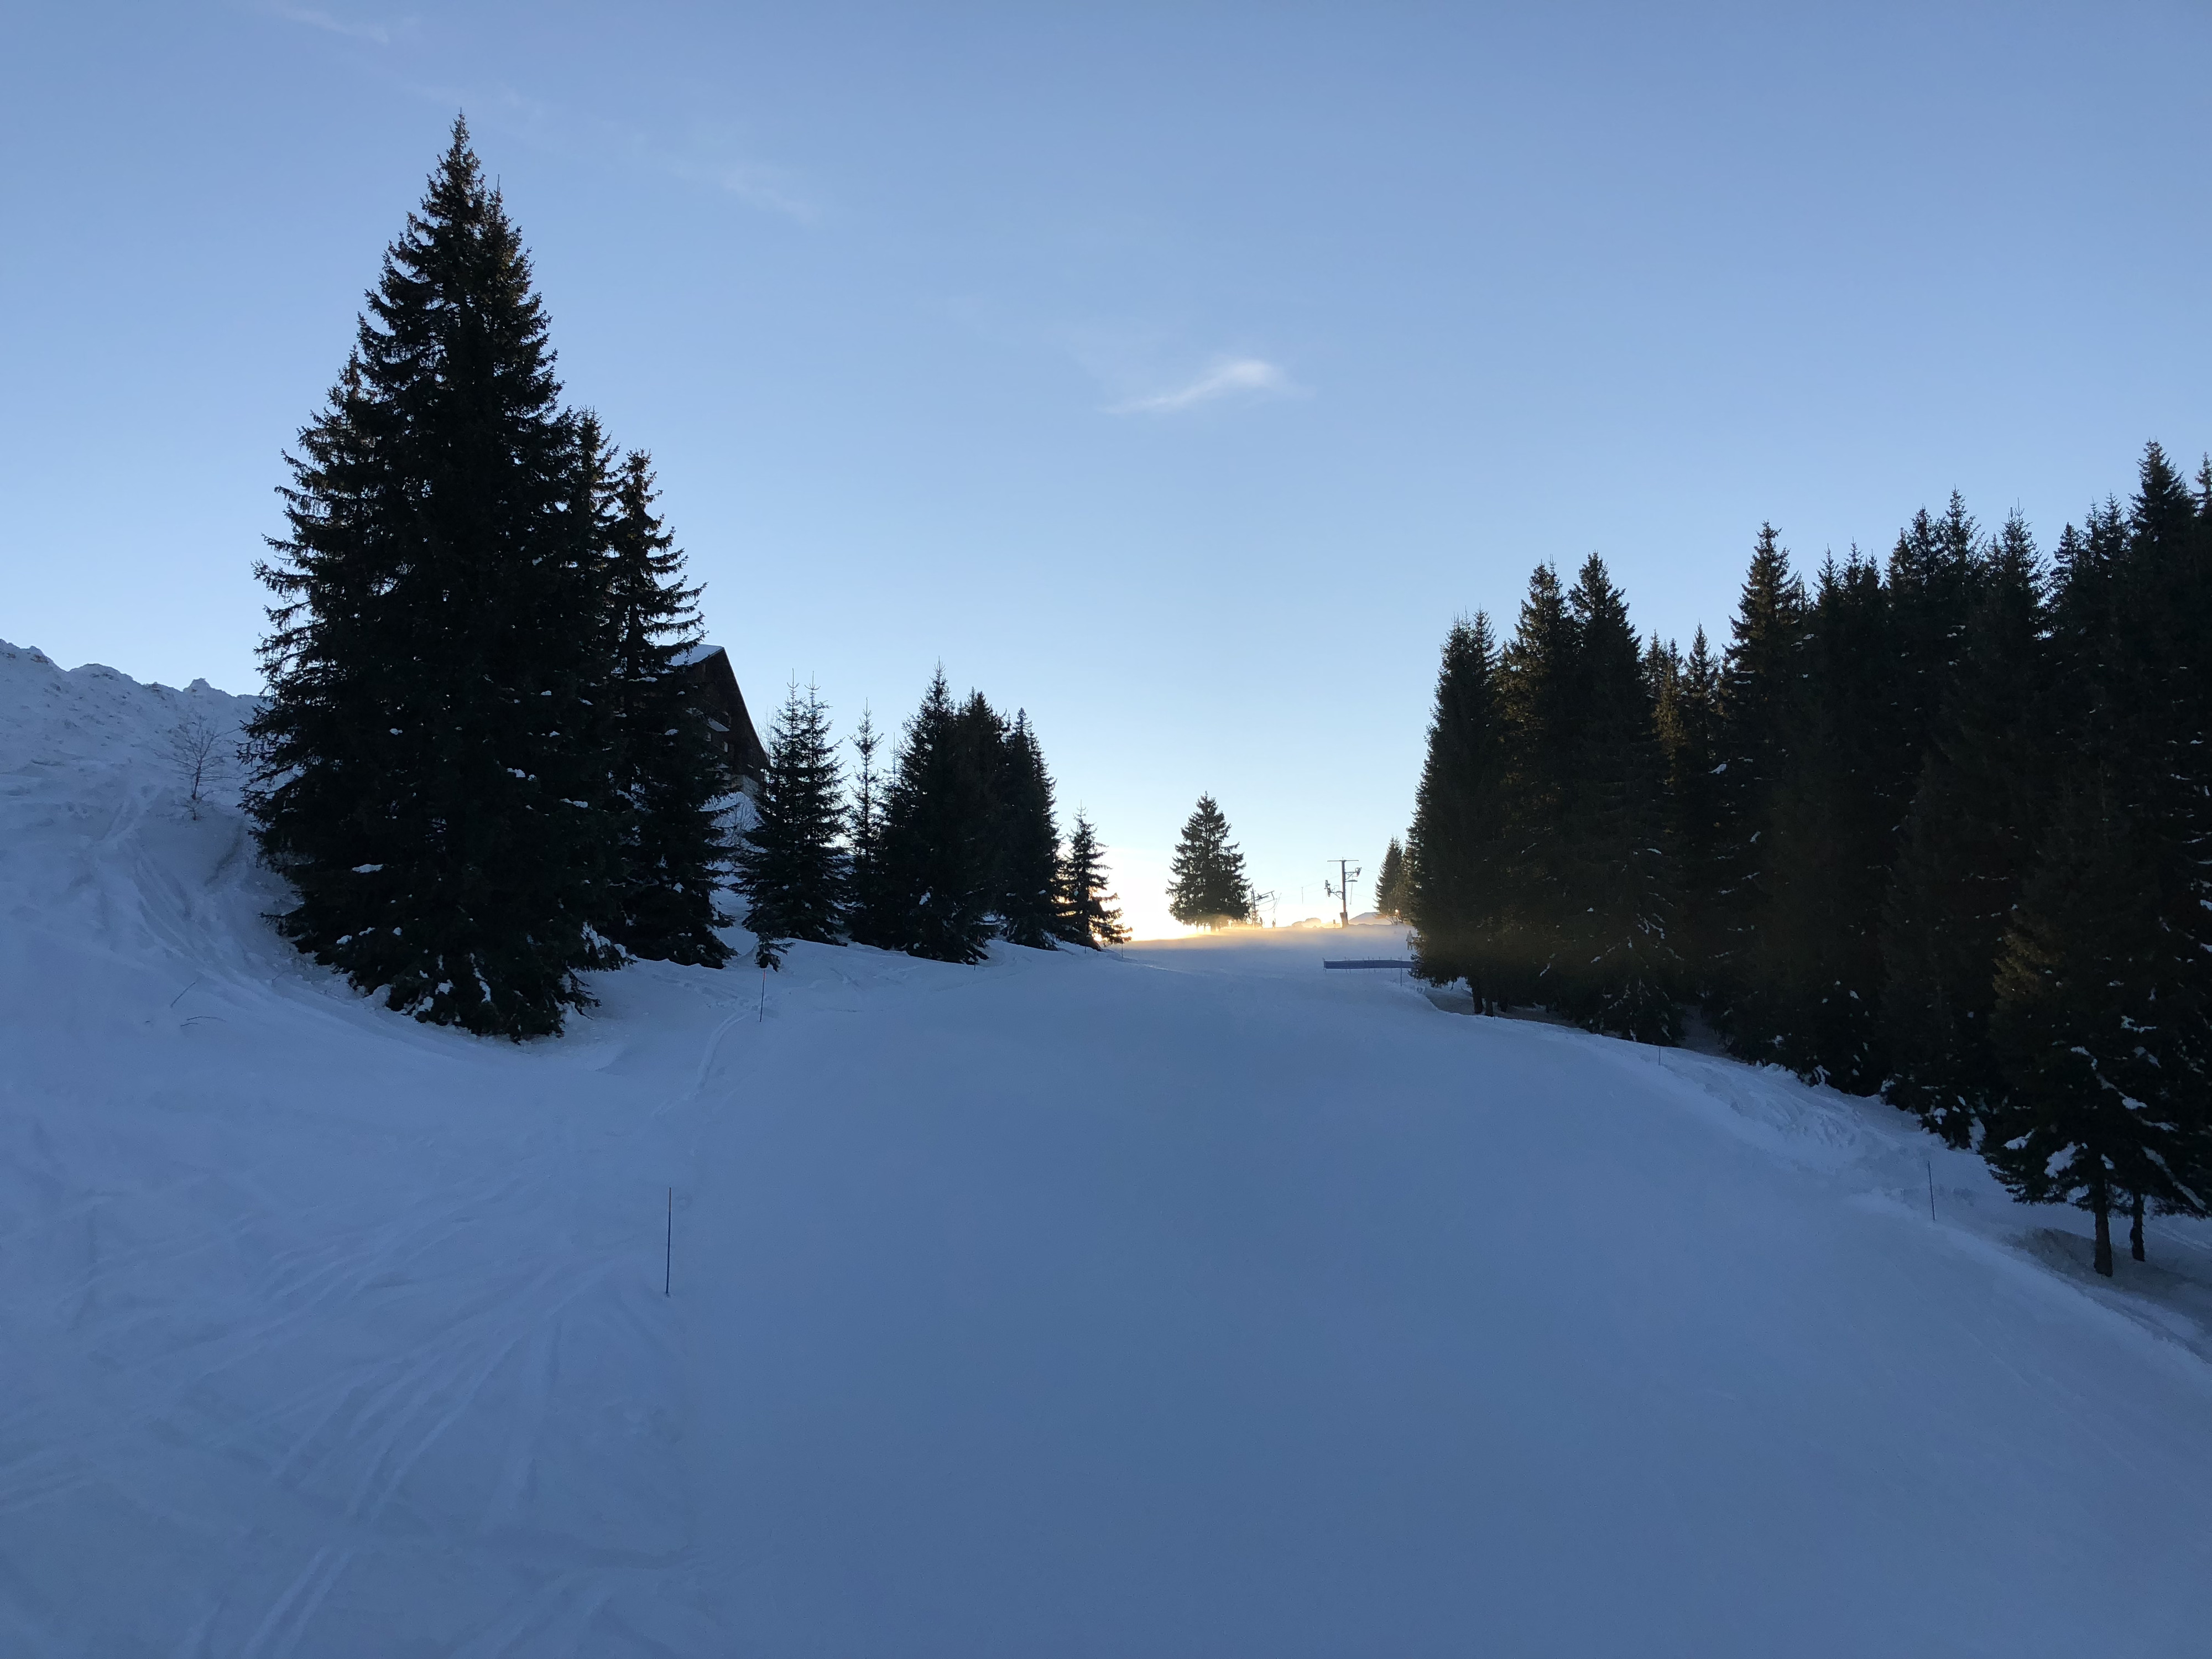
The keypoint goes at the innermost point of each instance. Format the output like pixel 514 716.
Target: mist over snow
pixel 1192 1300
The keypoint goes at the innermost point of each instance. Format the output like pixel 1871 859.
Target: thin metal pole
pixel 1342 891
pixel 762 1014
pixel 1931 1164
pixel 668 1250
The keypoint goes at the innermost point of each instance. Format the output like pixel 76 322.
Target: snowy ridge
pixel 1194 1302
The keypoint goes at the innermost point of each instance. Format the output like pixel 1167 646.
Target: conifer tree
pixel 1811 996
pixel 1028 840
pixel 1390 883
pixel 1614 956
pixel 1933 574
pixel 1539 698
pixel 1976 821
pixel 938 872
pixel 1662 680
pixel 666 773
pixel 2088 997
pixel 1757 686
pixel 1088 914
pixel 1454 877
pixel 985 733
pixel 790 862
pixel 1208 887
pixel 1692 736
pixel 431 763
pixel 1663 671
pixel 866 915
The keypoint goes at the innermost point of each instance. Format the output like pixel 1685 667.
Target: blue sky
pixel 1175 373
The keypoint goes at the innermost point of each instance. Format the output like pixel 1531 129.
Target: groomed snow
pixel 1197 1302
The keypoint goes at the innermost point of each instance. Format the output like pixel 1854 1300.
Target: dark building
pixel 715 688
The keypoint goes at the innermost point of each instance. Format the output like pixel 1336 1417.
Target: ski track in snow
pixel 1191 1301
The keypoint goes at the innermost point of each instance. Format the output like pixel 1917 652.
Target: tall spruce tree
pixel 1540 699
pixel 1934 573
pixel 1976 822
pixel 985 732
pixel 1208 887
pixel 1812 997
pixel 1663 682
pixel 939 879
pixel 1028 840
pixel 1692 736
pixel 666 773
pixel 1664 671
pixel 1455 882
pixel 1757 686
pixel 1614 959
pixel 431 762
pixel 1088 914
pixel 791 862
pixel 867 912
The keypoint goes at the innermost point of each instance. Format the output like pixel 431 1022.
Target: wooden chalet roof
pixel 724 705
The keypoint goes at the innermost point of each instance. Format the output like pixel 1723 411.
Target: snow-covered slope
pixel 1198 1301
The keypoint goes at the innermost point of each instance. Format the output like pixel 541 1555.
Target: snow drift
pixel 1193 1302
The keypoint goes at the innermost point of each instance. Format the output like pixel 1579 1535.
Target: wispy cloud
pixel 756 184
pixel 707 154
pixel 1237 377
pixel 314 18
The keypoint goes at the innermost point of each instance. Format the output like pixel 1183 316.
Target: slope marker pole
pixel 1931 1164
pixel 668 1250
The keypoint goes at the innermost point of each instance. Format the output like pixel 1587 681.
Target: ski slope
pixel 1191 1302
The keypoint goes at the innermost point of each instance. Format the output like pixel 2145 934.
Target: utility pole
pixel 1340 891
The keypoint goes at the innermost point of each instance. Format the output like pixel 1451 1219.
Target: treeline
pixel 1939 829
pixel 481 762
pixel 958 843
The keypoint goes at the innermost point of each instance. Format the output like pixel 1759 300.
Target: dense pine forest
pixel 482 763
pixel 1938 829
